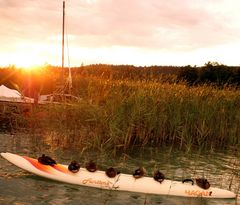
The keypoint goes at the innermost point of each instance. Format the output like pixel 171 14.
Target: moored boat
pixel 121 182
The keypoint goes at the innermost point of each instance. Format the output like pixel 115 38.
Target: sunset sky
pixel 137 32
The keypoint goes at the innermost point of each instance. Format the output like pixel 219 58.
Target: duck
pixel 138 173
pixel 203 183
pixel 91 166
pixel 188 180
pixel 74 166
pixel 111 172
pixel 46 160
pixel 158 176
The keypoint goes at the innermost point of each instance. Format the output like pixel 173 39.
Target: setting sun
pixel 30 55
pixel 26 60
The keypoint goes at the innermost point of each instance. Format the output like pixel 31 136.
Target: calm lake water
pixel 18 187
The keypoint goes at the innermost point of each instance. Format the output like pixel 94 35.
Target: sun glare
pixel 28 61
pixel 30 55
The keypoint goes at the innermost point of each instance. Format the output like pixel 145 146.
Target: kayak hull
pixel 122 182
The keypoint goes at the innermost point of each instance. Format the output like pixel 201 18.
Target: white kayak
pixel 122 182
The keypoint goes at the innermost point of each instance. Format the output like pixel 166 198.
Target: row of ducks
pixel 74 167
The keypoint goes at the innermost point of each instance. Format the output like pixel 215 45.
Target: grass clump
pixel 120 115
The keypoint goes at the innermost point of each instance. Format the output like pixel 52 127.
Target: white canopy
pixel 11 95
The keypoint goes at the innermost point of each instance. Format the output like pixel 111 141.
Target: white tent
pixel 11 95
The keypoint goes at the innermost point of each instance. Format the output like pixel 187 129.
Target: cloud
pixel 27 19
pixel 151 24
pixel 156 25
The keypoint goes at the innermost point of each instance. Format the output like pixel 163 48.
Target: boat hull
pixel 122 182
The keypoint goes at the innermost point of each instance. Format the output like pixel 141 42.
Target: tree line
pixel 46 78
pixel 211 73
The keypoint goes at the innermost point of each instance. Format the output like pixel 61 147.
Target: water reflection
pixel 19 187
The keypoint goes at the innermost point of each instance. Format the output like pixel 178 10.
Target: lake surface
pixel 221 168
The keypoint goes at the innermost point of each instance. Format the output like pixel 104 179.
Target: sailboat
pixel 63 93
pixel 68 83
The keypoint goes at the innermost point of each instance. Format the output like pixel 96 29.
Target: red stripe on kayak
pixel 61 168
pixel 39 166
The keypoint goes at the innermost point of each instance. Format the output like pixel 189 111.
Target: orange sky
pixel 138 32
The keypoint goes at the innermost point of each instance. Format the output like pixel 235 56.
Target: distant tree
pixel 10 77
pixel 188 74
pixel 216 73
pixel 236 77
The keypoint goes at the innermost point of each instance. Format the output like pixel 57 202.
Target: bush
pixel 188 74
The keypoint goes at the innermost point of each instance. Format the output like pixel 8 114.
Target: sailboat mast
pixel 63 28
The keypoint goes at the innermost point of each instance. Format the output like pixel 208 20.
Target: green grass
pixel 119 115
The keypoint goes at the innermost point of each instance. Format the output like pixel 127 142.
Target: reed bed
pixel 121 114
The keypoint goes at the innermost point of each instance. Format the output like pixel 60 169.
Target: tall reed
pixel 116 115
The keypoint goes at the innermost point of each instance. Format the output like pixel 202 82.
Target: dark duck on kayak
pixel 111 172
pixel 158 176
pixel 46 160
pixel 138 173
pixel 188 180
pixel 74 166
pixel 203 183
pixel 91 166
